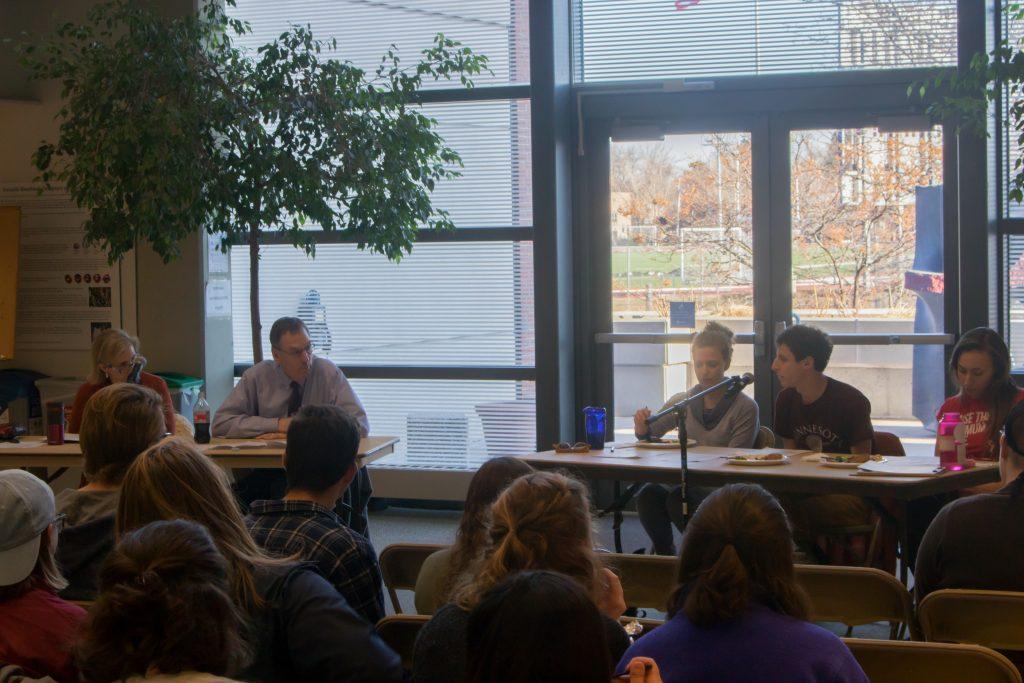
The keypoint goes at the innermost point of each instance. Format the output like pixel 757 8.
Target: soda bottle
pixel 201 419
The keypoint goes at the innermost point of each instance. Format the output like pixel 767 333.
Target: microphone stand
pixel 679 409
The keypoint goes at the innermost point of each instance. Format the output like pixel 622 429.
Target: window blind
pixel 1013 283
pixel 450 424
pixel 648 39
pixel 446 304
pixel 365 29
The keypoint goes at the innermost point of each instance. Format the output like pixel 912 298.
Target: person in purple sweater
pixel 737 613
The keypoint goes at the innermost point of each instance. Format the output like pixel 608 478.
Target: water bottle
pixel 201 419
pixel 952 442
pixel 594 420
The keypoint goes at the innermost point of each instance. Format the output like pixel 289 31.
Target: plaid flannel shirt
pixel 345 558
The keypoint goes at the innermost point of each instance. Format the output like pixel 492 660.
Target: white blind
pixel 642 39
pixel 451 424
pixel 1013 283
pixel 446 304
pixel 1013 30
pixel 365 29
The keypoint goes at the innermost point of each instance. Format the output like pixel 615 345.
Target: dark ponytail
pixel 738 549
pixel 165 604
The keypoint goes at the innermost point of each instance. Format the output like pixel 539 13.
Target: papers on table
pixel 238 445
pixel 909 466
pixel 21 444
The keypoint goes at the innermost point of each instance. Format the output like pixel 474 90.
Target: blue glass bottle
pixel 594 419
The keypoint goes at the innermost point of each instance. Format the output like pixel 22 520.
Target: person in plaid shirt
pixel 320 463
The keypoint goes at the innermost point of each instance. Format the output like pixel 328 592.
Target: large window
pixel 643 39
pixel 440 347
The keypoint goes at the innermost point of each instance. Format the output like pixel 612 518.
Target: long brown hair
pixel 119 422
pixel 173 480
pixel 1003 389
pixel 737 549
pixel 471 537
pixel 541 521
pixel 164 603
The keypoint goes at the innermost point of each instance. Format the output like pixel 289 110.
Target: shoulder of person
pixel 258 369
pixel 278 580
pixel 786 396
pixel 152 381
pixel 952 404
pixel 1019 396
pixel 846 392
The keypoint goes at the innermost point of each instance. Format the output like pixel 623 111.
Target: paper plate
pixel 665 445
pixel 758 463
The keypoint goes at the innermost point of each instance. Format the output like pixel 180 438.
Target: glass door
pixel 681 223
pixel 867 265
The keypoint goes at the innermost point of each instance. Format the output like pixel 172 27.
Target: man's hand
pixel 640 427
pixel 282 424
pixel 272 436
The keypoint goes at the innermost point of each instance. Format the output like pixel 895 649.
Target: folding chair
pixel 647 580
pixel 856 596
pixel 399 631
pixel 400 565
pixel 887 661
pixel 993 619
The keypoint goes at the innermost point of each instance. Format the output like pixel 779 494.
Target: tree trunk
pixel 254 294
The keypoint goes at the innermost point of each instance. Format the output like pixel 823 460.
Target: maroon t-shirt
pixel 839 418
pixel 36 632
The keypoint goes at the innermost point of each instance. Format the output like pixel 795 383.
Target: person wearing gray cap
pixel 36 627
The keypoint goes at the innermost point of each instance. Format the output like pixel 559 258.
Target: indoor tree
pixel 167 127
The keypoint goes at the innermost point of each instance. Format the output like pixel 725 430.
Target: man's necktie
pixel 295 400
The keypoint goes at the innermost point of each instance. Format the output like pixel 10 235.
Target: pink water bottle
pixel 952 442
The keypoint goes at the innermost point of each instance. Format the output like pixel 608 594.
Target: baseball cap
pixel 26 509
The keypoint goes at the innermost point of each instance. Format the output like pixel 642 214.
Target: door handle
pixel 760 348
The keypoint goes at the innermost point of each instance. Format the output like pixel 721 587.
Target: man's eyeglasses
pixel 295 353
pixel 58 523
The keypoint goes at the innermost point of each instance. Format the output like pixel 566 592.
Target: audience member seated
pixel 978 541
pixel 722 418
pixel 818 413
pixel 980 366
pixel 737 613
pixel 445 569
pixel 114 357
pixel 164 611
pixel 120 421
pixel 541 521
pixel 302 628
pixel 320 462
pixel 36 627
pixel 540 626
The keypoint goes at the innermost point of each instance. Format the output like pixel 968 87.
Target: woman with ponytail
pixel 541 521
pixel 737 613
pixel 722 418
pixel 164 611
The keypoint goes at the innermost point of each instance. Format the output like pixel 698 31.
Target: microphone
pixel 738 382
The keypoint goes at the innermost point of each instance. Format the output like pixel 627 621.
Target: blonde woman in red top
pixel 114 354
pixel 980 365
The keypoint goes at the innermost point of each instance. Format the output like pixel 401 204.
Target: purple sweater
pixel 762 645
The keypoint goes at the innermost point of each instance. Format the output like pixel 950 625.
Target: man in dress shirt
pixel 269 393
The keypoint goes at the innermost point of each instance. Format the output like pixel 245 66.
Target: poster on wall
pixel 67 292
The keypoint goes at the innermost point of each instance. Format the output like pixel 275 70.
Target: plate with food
pixel 848 462
pixel 665 444
pixel 757 459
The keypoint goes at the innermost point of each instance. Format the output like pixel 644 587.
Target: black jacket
pixel 307 632
pixel 80 554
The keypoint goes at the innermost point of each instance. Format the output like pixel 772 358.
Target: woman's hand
pixel 642 670
pixel 640 426
pixel 613 602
